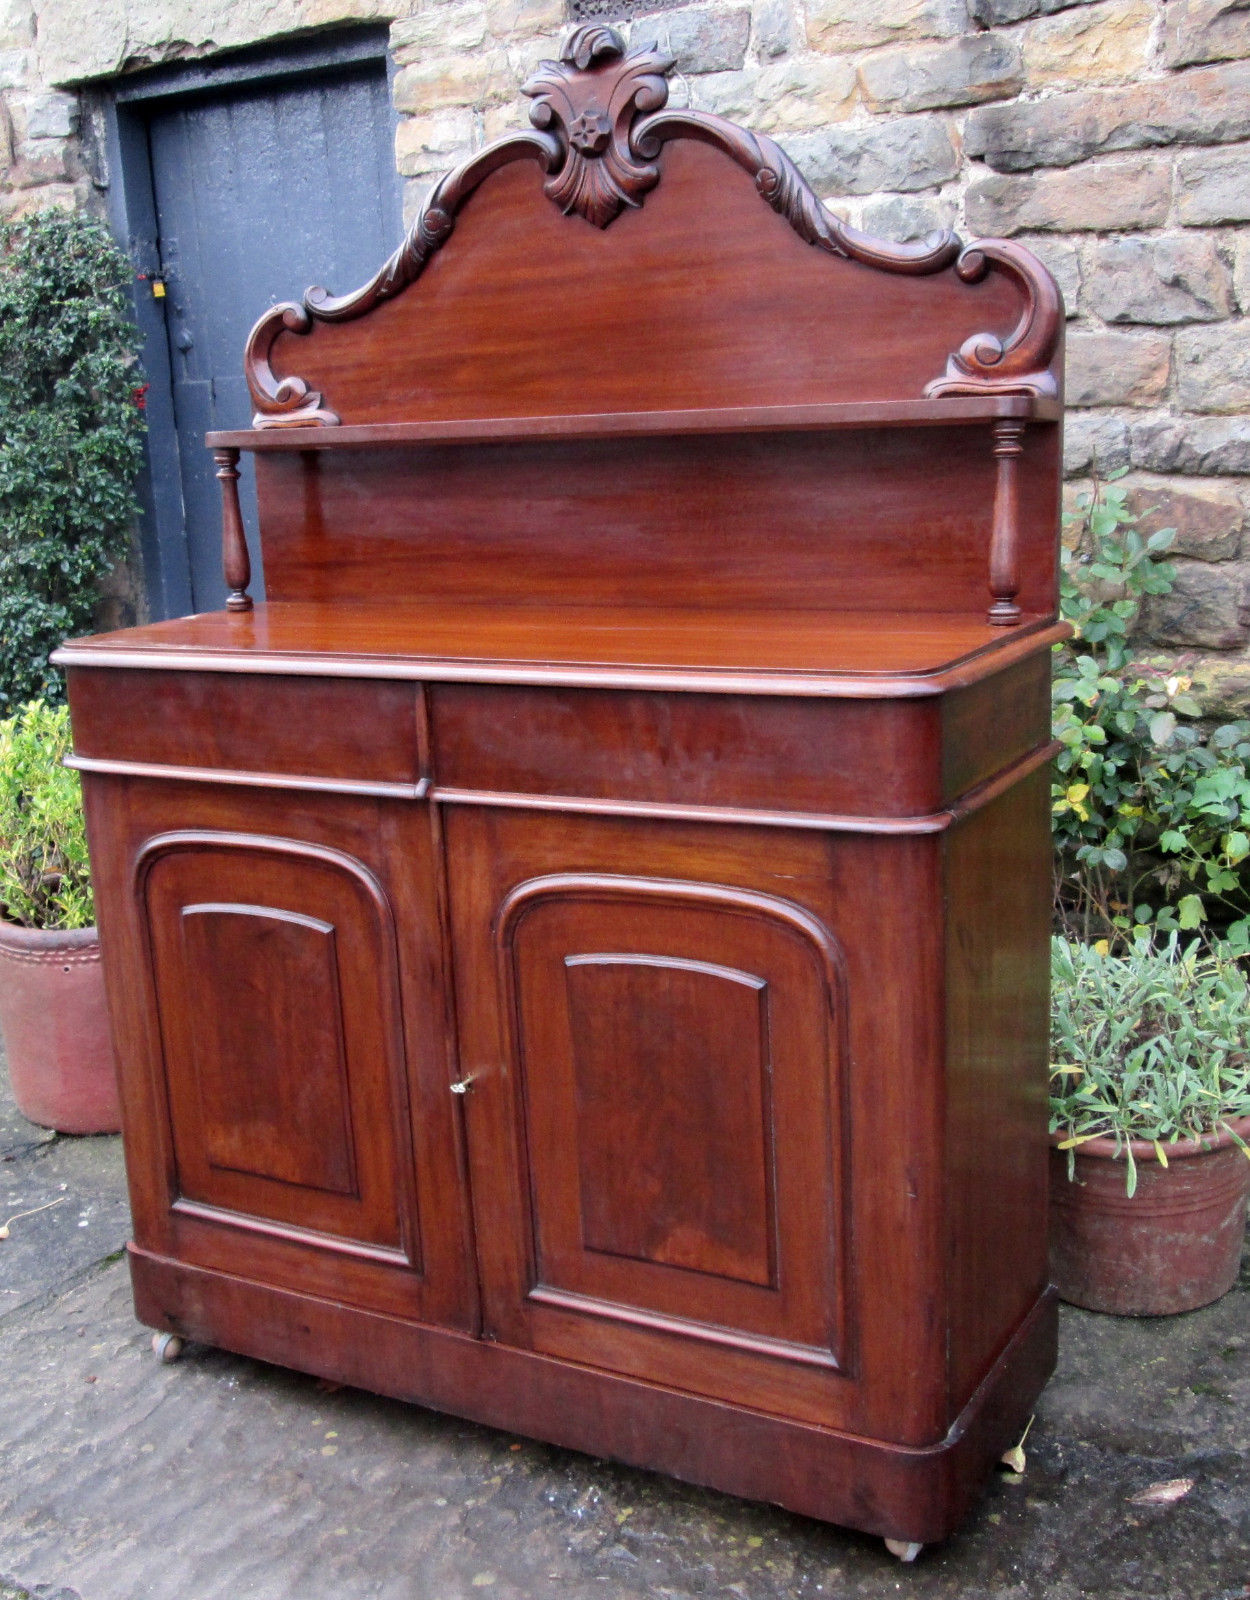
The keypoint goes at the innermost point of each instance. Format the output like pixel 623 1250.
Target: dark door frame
pixel 118 112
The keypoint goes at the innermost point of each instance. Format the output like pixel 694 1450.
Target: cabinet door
pixel 290 958
pixel 655 1128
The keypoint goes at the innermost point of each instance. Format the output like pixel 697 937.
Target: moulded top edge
pixel 939 412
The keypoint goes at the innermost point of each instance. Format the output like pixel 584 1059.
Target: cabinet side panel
pixel 997 868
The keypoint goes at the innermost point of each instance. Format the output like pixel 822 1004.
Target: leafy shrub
pixel 1154 1044
pixel 1151 811
pixel 71 431
pixel 45 880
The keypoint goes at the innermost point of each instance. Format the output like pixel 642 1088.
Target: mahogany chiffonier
pixel 578 951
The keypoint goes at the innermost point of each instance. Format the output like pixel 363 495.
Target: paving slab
pixel 221 1478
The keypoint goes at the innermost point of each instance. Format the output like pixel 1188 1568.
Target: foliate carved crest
pixel 590 98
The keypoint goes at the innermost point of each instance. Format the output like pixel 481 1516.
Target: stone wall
pixel 1112 137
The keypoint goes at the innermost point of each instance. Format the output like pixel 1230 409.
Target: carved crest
pixel 600 124
pixel 590 98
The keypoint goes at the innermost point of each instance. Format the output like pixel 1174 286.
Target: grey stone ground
pixel 224 1479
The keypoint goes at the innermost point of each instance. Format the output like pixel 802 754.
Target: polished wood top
pixel 854 654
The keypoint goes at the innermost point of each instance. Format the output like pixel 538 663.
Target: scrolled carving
pixel 1019 364
pixel 590 97
pixel 289 402
pixel 786 190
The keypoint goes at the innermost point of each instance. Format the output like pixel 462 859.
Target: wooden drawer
pixel 342 732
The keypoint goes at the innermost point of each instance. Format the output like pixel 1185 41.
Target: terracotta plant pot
pixel 56 1029
pixel 1173 1247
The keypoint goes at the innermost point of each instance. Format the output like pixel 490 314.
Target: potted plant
pixel 52 1008
pixel 1150 1118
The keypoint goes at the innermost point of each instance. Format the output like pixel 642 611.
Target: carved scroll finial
pixel 589 99
pixel 1019 364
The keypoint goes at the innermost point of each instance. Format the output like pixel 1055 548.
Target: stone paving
pixel 225 1479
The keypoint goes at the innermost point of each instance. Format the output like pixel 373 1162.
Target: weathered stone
pixel 1063 259
pixel 1241 273
pixel 861 24
pixel 1213 186
pixel 775 29
pixel 1098 44
pixel 890 153
pixel 430 85
pixel 1177 278
pixel 906 216
pixel 51 115
pixel 1116 369
pixel 1219 685
pixel 17 24
pixel 1210 105
pixel 1205 446
pixel 1108 194
pixel 1209 518
pixel 1205 30
pixel 439 30
pixel 15 68
pixel 1204 609
pixel 803 91
pixel 1094 442
pixel 524 19
pixel 1213 368
pixel 997 13
pixel 425 145
pixel 51 196
pixel 705 40
pixel 961 72
pixel 41 161
pixel 729 94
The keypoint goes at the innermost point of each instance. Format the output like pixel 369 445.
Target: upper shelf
pixel 947 411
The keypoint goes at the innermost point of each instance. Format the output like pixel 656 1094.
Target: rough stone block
pixel 1241 273
pixel 903 153
pixel 1204 609
pixel 437 31
pixel 524 19
pixel 425 145
pixel 984 66
pixel 1116 369
pixel 1210 105
pixel 1064 262
pixel 1205 30
pixel 999 13
pixel 902 217
pixel 1213 186
pixel 1177 278
pixel 431 85
pixel 1213 368
pixel 17 24
pixel 48 115
pixel 837 25
pixel 48 197
pixel 1209 518
pixel 775 29
pixel 803 91
pixel 1094 442
pixel 729 94
pixel 1095 44
pixel 1220 686
pixel 1106 194
pixel 704 39
pixel 1208 447
pixel 16 66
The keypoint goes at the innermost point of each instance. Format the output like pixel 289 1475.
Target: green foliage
pixel 1151 810
pixel 71 432
pixel 1154 1044
pixel 45 880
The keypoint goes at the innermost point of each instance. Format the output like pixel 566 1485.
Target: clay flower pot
pixel 1174 1246
pixel 56 1029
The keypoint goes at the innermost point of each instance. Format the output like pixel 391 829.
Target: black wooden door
pixel 260 190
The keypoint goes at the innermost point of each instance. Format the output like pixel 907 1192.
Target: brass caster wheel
pixel 904 1549
pixel 166 1347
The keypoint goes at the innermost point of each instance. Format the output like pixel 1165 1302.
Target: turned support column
pixel 1005 539
pixel 235 560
